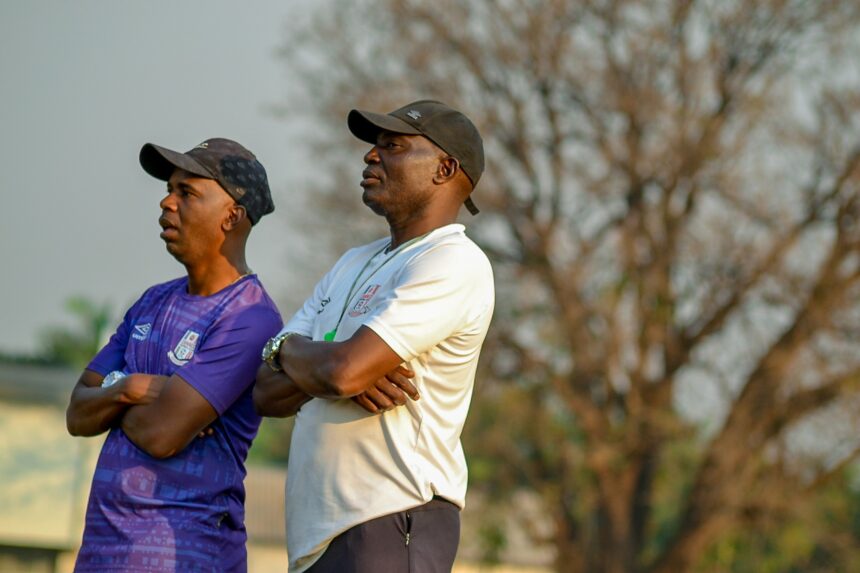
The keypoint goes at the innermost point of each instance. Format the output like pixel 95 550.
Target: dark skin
pixel 417 187
pixel 277 396
pixel 206 231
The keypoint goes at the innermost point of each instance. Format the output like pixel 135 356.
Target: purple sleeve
pixel 226 363
pixel 112 356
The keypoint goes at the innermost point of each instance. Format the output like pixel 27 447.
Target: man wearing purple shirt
pixel 173 384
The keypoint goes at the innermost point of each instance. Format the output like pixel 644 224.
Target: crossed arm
pixel 159 414
pixel 362 368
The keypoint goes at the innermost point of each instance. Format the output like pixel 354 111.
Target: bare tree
pixel 671 205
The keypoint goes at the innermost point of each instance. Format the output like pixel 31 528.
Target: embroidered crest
pixel 414 114
pixel 184 348
pixel 361 304
pixel 141 331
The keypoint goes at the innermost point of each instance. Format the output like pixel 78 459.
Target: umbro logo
pixel 141 331
pixel 414 114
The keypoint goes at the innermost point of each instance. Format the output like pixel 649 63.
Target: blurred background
pixel 671 203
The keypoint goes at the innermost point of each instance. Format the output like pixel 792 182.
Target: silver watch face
pixel 267 349
pixel 273 346
pixel 112 378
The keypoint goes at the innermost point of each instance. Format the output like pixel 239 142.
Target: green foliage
pixel 672 484
pixel 818 533
pixel 272 444
pixel 76 345
pixel 492 540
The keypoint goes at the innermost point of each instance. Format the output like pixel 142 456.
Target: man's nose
pixel 371 156
pixel 168 203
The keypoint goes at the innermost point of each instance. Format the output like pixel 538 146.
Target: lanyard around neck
pixel 356 286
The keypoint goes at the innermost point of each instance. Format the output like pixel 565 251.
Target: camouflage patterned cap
pixel 235 168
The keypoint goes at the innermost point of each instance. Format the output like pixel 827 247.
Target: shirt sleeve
pixel 112 356
pixel 226 363
pixel 439 292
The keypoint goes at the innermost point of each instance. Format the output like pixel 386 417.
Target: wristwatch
pixel 273 348
pixel 112 378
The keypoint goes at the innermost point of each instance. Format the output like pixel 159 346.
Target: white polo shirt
pixel 431 302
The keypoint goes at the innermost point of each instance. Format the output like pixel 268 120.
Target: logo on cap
pixel 204 145
pixel 413 114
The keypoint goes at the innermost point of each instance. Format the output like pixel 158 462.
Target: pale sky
pixel 84 85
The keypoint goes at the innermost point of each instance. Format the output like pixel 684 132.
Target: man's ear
pixel 447 170
pixel 234 218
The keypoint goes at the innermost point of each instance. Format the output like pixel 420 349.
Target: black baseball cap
pixel 235 168
pixel 449 129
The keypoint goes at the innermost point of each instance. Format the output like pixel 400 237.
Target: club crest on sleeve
pixel 360 306
pixel 141 331
pixel 184 348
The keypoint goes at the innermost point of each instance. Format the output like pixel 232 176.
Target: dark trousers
pixel 419 540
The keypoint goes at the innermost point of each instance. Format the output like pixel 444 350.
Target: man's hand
pixel 167 415
pixel 276 395
pixel 388 392
pixel 139 388
pixel 338 370
pixel 94 409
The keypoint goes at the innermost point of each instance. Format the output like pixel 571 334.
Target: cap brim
pixel 160 162
pixel 366 125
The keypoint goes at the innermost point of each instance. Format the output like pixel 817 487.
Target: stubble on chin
pixel 374 206
pixel 174 251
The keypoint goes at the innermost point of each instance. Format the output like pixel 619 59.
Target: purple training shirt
pixel 186 512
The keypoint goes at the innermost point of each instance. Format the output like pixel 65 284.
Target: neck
pixel 205 279
pixel 407 230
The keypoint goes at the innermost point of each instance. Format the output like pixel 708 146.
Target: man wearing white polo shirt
pixel 375 480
